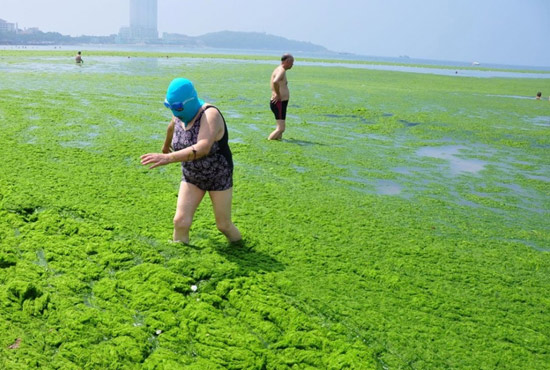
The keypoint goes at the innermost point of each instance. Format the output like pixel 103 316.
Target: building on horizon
pixel 7 27
pixel 143 23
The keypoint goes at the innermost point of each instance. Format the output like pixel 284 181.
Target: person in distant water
pixel 280 95
pixel 198 135
pixel 78 58
pixel 539 95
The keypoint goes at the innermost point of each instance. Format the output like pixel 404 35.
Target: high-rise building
pixel 143 22
pixel 143 18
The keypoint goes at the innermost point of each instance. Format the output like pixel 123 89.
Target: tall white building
pixel 143 22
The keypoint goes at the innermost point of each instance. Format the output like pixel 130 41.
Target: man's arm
pixel 277 78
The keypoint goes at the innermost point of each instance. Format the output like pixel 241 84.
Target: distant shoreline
pixel 408 64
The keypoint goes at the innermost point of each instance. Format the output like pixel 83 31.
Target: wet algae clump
pixel 401 223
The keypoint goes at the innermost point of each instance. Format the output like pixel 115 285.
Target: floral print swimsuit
pixel 213 172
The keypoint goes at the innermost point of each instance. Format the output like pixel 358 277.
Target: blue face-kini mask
pixel 182 100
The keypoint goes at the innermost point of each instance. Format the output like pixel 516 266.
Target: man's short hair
pixel 286 56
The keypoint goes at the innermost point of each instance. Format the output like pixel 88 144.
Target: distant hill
pixel 255 41
pixel 220 40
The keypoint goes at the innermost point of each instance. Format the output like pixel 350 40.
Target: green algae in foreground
pixel 402 223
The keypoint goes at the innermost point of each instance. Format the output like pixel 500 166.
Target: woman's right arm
pixel 167 147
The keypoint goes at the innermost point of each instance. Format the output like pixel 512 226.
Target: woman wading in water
pixel 198 135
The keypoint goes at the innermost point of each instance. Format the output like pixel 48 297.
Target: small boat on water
pixel 475 63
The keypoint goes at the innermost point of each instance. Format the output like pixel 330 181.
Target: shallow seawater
pixel 390 228
pixel 541 121
pixel 512 96
pixel 388 187
pixel 459 72
pixel 451 154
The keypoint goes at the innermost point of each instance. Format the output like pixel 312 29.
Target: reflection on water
pixel 449 153
pixel 538 177
pixel 352 116
pixel 530 244
pixel 512 96
pixel 379 186
pixel 232 114
pixel 388 187
pixel 237 140
pixel 541 121
pixel 299 169
pixel 76 144
pixel 409 170
pixel 108 64
pixel 435 71
pixel 409 124
pixel 301 142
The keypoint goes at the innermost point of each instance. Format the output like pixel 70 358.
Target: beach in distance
pixel 402 222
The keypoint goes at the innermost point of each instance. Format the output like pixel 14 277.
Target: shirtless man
pixel 280 95
pixel 78 58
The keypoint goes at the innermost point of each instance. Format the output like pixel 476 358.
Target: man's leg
pixel 279 110
pixel 189 198
pixel 277 134
pixel 221 202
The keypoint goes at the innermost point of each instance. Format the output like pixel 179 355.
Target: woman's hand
pixel 157 159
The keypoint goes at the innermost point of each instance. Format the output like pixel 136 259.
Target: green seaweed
pixel 449 269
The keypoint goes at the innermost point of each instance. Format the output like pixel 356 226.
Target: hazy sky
pixel 490 31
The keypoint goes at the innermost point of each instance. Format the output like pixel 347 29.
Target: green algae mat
pixel 402 223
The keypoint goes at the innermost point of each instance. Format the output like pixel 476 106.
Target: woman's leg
pixel 189 198
pixel 221 201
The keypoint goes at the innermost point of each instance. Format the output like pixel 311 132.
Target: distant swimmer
pixel 78 58
pixel 280 95
pixel 539 95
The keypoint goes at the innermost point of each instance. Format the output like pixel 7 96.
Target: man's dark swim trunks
pixel 213 172
pixel 279 109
